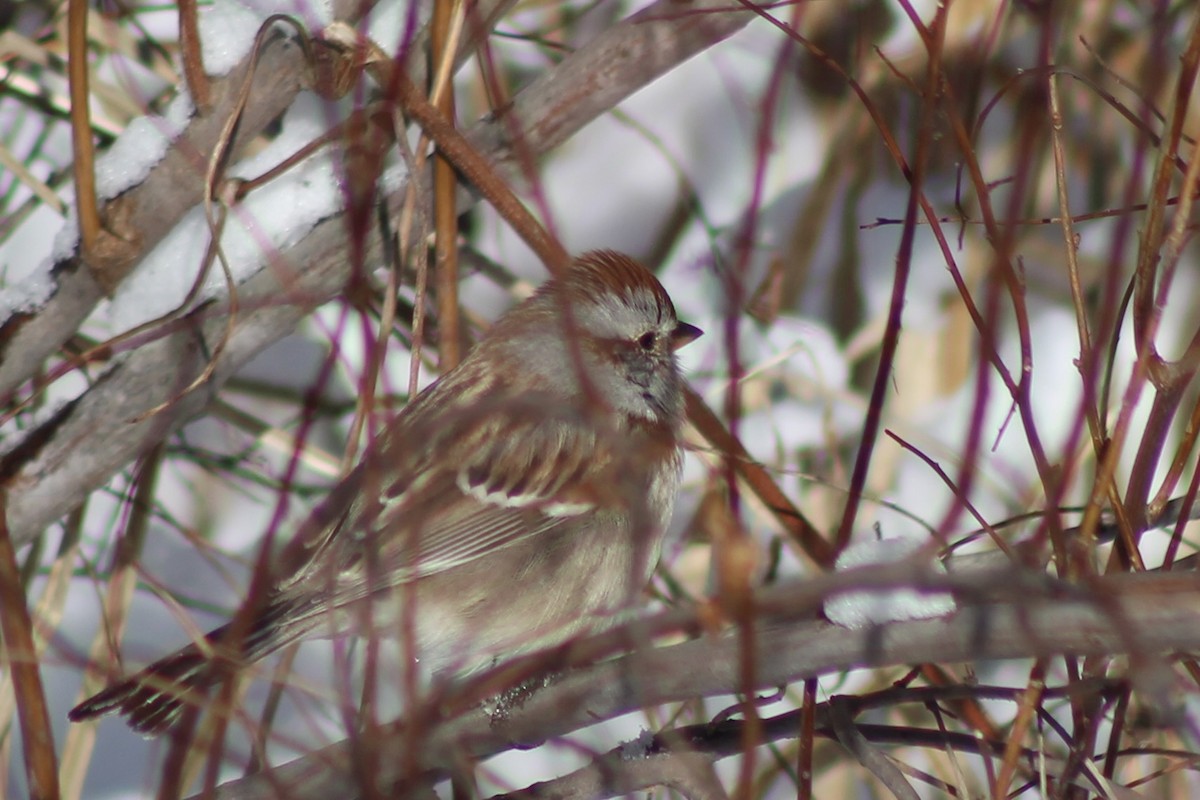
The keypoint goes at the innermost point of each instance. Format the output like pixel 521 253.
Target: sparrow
pixel 520 500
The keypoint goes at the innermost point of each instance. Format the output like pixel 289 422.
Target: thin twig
pixel 193 59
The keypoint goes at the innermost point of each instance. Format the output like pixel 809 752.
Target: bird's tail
pixel 154 699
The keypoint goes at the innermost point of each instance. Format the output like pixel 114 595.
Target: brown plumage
pixel 518 501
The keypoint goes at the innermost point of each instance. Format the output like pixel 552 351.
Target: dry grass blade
pixel 22 662
pixel 448 18
pixel 193 59
pixel 81 129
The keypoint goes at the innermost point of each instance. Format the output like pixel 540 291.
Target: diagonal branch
pixel 87 441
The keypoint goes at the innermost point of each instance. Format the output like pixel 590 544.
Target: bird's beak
pixel 684 334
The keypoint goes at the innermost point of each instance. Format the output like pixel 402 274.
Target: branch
pixel 143 215
pixel 1026 615
pixel 80 448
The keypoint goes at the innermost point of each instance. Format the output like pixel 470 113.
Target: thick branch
pixel 145 214
pixel 1030 617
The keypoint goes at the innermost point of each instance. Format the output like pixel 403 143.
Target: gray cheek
pixel 663 393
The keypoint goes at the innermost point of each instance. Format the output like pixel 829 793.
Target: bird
pixel 520 500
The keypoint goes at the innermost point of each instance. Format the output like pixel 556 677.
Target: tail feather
pixel 154 699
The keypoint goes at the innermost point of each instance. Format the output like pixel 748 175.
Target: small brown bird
pixel 518 501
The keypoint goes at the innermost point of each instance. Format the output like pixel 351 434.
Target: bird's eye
pixel 648 340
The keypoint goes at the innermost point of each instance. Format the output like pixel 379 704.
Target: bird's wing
pixel 517 480
pixel 475 485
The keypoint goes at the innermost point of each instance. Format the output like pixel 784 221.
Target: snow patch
pixel 857 610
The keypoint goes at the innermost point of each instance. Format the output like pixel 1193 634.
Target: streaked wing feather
pixel 464 534
pixel 533 476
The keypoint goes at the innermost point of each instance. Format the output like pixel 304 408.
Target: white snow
pixel 863 609
pixel 228 27
pixel 125 164
pixel 227 31
pixel 270 219
pixel 131 157
pixel 23 288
